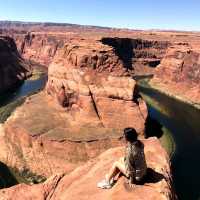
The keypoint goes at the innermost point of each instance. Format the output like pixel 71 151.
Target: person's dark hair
pixel 130 134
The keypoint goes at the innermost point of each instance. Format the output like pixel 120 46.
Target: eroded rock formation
pixel 179 72
pixel 39 47
pixel 95 82
pixel 140 56
pixel 81 183
pixel 13 69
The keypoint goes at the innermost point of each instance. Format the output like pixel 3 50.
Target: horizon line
pixel 99 26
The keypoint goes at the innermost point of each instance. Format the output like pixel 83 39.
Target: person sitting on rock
pixel 133 165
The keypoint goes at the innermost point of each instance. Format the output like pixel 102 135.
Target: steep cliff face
pixel 81 183
pixel 179 72
pixel 91 80
pixel 39 47
pixel 12 67
pixel 140 56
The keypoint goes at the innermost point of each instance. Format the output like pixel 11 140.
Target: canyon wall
pixel 39 47
pixel 13 68
pixel 141 56
pixel 91 80
pixel 179 72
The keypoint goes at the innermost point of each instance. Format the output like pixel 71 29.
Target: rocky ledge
pixel 12 67
pixel 178 74
pixel 81 183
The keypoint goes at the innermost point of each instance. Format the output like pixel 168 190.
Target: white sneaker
pixel 104 184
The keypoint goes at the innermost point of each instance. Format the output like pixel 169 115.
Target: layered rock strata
pixel 39 47
pixel 81 183
pixel 139 55
pixel 94 84
pixel 90 98
pixel 179 73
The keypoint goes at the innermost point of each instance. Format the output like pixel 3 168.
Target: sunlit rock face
pixel 179 72
pixel 39 47
pixel 96 85
pixel 13 69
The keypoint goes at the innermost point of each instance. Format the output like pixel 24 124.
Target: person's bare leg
pixel 113 172
pixel 117 167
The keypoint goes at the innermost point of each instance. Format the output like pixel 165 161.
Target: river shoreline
pixel 181 118
pixel 160 89
pixel 8 103
pixel 16 96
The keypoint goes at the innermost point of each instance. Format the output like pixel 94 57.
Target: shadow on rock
pixel 153 128
pixel 123 49
pixel 6 177
pixel 151 177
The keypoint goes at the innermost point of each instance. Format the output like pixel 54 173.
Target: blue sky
pixel 136 14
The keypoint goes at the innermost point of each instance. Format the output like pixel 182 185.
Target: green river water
pixel 181 137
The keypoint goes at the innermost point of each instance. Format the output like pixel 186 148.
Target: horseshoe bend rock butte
pixel 89 78
pixel 89 99
pixel 81 183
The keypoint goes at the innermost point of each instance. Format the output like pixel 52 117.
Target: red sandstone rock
pixel 95 75
pixel 43 138
pixel 47 138
pixel 39 48
pixel 27 192
pixel 81 183
pixel 12 67
pixel 179 72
